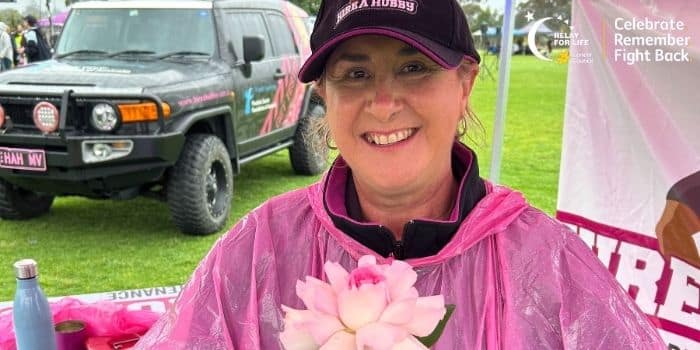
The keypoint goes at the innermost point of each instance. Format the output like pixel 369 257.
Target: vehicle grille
pixel 20 112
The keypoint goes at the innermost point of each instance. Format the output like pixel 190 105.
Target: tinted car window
pixel 247 24
pixel 114 30
pixel 281 35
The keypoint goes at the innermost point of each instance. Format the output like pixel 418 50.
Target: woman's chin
pixel 392 182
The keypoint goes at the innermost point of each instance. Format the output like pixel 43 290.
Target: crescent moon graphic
pixel 531 39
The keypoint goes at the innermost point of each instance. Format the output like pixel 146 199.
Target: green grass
pixel 534 120
pixel 87 246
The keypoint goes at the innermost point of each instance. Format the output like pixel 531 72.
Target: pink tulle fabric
pixel 519 280
pixel 102 319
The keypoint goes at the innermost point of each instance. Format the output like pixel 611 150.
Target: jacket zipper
pixel 398 251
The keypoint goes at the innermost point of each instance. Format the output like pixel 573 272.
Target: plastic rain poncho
pixel 519 280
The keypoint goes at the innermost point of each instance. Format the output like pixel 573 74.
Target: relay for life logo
pixel 563 39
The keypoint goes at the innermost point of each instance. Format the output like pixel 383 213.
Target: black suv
pixel 158 97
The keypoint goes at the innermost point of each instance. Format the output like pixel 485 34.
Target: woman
pixel 396 78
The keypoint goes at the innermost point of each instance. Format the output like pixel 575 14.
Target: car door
pixel 290 92
pixel 257 87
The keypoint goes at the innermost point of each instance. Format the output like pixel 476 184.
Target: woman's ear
pixel 468 73
pixel 320 88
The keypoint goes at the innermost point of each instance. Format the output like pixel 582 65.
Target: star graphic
pixel 566 21
pixel 529 16
pixel 560 17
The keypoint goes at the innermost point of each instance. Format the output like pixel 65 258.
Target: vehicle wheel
pixel 201 186
pixel 308 155
pixel 17 203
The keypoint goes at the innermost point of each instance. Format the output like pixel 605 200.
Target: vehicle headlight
pixel 104 117
pixel 2 116
pixel 46 117
pixel 95 151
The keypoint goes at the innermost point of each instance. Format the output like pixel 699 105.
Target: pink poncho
pixel 519 280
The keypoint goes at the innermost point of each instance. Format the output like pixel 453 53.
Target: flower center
pixel 364 275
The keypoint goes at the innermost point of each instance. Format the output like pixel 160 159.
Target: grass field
pixel 87 246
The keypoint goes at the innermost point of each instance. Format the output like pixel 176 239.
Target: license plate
pixel 24 159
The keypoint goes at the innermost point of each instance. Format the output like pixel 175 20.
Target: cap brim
pixel 445 57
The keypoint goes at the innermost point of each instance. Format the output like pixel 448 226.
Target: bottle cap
pixel 26 268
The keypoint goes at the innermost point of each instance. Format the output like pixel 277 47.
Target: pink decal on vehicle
pixel 209 96
pixel 288 98
pixel 297 18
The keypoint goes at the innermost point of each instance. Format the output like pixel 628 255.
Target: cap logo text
pixel 407 6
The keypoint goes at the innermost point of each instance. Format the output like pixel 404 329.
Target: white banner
pixel 157 299
pixel 630 167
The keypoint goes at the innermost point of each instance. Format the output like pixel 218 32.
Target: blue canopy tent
pixel 541 29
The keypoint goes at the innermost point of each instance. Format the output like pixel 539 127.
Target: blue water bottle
pixel 32 318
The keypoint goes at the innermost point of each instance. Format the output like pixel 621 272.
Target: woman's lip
pixel 387 132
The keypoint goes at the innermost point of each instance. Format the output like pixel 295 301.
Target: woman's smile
pixel 390 138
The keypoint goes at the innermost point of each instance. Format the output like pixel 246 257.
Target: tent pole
pixel 502 97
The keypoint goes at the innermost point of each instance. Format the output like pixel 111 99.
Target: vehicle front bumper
pixel 67 173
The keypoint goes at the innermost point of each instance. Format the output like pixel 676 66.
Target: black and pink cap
pixel 437 28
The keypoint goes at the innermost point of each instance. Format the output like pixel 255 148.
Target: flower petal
pixel 380 336
pixel 318 296
pixel 400 278
pixel 409 343
pixel 298 318
pixel 430 310
pixel 399 312
pixel 358 307
pixel 340 341
pixel 367 260
pixel 337 276
pixel 295 336
pixel 322 327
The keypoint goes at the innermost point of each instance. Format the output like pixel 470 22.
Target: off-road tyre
pixel 200 187
pixel 308 155
pixel 19 204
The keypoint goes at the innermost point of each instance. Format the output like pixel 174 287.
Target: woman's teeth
pixel 387 139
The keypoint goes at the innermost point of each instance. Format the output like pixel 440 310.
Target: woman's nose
pixel 384 101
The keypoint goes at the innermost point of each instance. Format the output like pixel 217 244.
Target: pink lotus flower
pixel 372 307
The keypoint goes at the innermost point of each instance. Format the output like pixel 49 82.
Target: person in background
pixel 397 82
pixel 35 47
pixel 17 45
pixel 6 51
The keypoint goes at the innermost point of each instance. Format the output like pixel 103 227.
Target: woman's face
pixel 393 112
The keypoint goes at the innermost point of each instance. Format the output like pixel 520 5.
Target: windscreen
pixel 161 31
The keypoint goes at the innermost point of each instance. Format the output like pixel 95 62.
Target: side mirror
pixel 253 48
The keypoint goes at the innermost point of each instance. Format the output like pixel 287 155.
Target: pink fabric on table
pixel 102 318
pixel 519 280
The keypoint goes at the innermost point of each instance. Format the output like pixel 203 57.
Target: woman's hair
pixel 469 127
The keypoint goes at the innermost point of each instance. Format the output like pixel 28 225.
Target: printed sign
pixel 630 171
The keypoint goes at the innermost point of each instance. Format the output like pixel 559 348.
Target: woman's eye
pixel 357 74
pixel 413 68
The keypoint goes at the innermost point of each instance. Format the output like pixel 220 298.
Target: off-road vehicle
pixel 158 97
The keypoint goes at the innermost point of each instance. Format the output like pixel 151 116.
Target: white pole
pixel 502 97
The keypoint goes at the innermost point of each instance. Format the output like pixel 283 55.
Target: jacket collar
pixel 421 237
